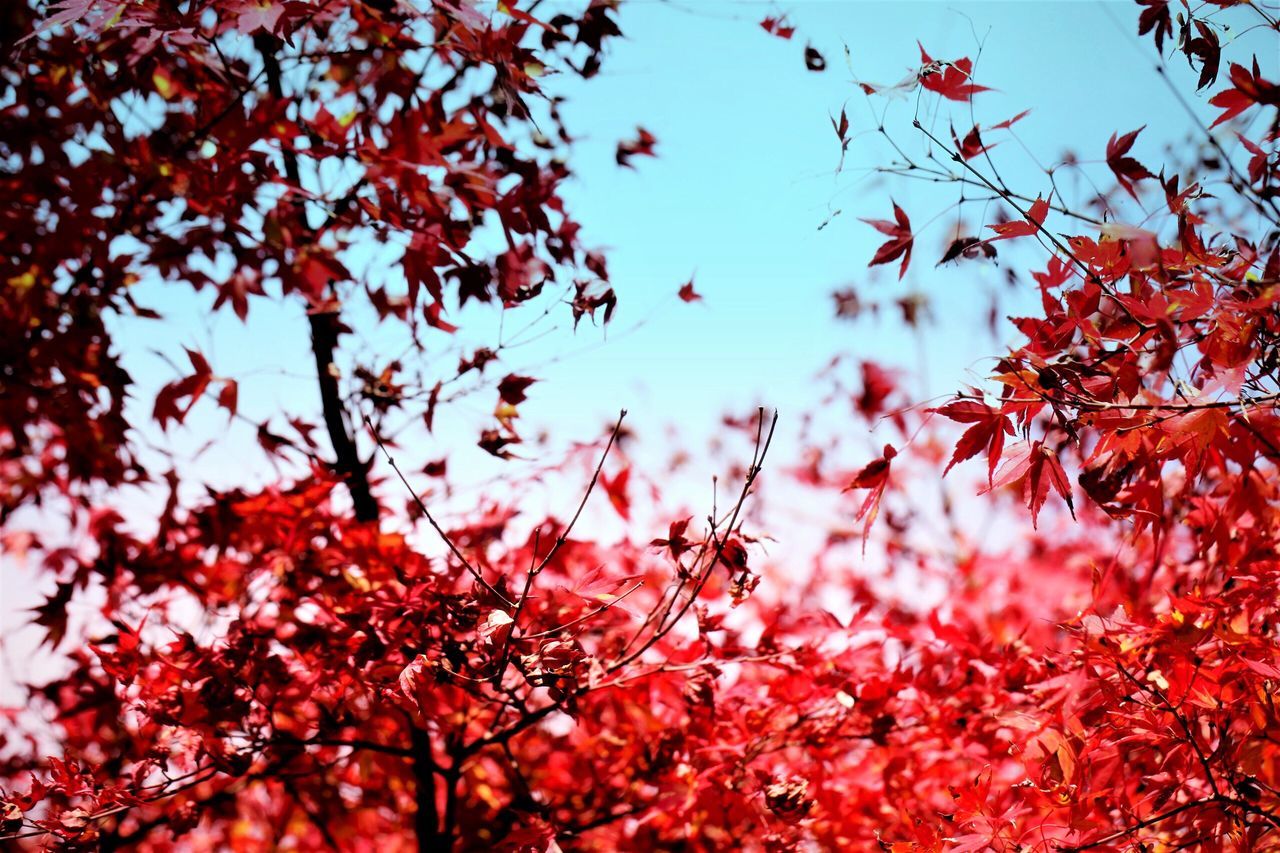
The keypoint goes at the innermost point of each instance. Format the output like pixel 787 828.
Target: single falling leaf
pixel 688 294
pixel 875 477
pixel 813 60
pixel 900 239
pixel 640 146
pixel 512 388
pixel 615 487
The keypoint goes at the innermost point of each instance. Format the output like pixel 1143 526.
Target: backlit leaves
pixel 989 427
pixel 1034 469
pixel 687 668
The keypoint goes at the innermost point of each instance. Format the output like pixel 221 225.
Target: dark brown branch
pixel 1192 741
pixel 426 819
pixel 1140 825
pixel 325 327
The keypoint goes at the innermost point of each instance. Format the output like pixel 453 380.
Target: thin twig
pixel 595 476
pixel 1049 235
pixel 536 570
pixel 422 507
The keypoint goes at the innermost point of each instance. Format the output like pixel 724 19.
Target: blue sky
pixel 746 174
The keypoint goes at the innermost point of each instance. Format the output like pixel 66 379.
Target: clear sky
pixel 746 173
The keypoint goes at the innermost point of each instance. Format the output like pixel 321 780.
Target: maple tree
pixel 283 666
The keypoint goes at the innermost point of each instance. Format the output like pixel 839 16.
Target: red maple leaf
pixel 779 27
pixel 615 488
pixel 1127 170
pixel 168 405
pixel 875 476
pixel 971 146
pixel 1155 17
pixel 990 426
pixel 899 242
pixel 1037 468
pixel 675 542
pixel 1008 123
pixel 512 388
pixel 1248 88
pixel 640 146
pixel 259 15
pixel 951 80
pixel 968 247
pixel 1034 220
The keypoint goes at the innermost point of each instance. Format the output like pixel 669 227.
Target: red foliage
pixel 279 666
